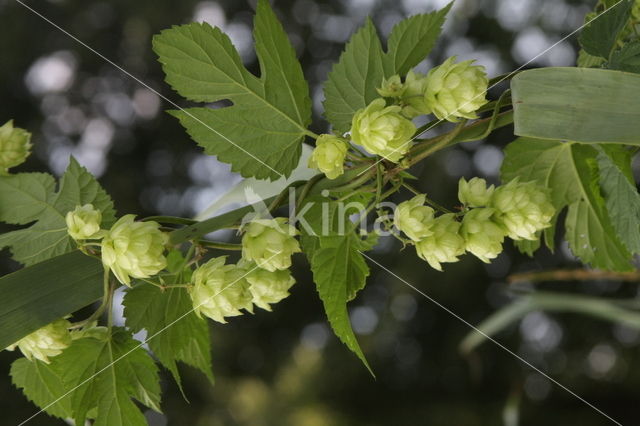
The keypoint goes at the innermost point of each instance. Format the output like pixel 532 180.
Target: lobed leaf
pixel 599 36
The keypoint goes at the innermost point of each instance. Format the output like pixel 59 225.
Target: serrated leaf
pixel 363 65
pixel 600 35
pixel 561 103
pixel 105 375
pixel 622 201
pixel 269 115
pixel 354 78
pixel 570 171
pixel 34 194
pixel 338 269
pixel 627 58
pixel 179 335
pixel 42 385
pixel 412 39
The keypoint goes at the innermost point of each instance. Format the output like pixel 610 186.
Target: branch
pixel 573 275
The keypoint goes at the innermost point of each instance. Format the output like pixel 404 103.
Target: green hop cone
pixel 483 237
pixel 391 87
pixel 413 97
pixel 15 146
pixel 220 290
pixel 267 287
pixel 522 209
pixel 83 223
pixel 382 130
pixel 269 243
pixel 46 342
pixel 445 245
pixel 455 91
pixel 328 156
pixel 134 249
pixel 414 218
pixel 475 192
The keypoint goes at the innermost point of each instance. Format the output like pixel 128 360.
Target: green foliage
pixel 261 134
pixel 563 103
pixel 627 58
pixel 599 37
pixel 622 200
pixel 363 65
pixel 34 194
pixel 94 378
pixel 43 385
pixel 570 171
pixel 339 271
pixel 35 296
pixel 174 332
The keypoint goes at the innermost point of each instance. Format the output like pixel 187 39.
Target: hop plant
pixel 220 290
pixel 413 95
pixel 382 130
pixel 83 223
pixel 456 90
pixel 46 342
pixel 445 245
pixel 391 87
pixel 134 249
pixel 15 146
pixel 483 237
pixel 475 192
pixel 522 209
pixel 328 156
pixel 269 243
pixel 267 287
pixel 414 218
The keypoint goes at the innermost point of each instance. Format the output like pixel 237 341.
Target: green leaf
pixel 570 171
pixel 354 78
pixel 178 334
pixel 600 35
pixel 412 39
pixel 43 385
pixel 261 134
pixel 40 294
pixel 105 375
pixel 627 58
pixel 33 193
pixel 561 103
pixel 339 270
pixel 622 201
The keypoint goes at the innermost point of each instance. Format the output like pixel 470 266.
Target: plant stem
pixel 437 143
pixel 220 245
pixel 170 219
pixel 427 199
pixel 573 275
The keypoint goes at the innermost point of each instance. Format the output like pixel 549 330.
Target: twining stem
pixel 427 199
pixel 170 219
pixel 436 144
pixel 220 245
pixel 573 275
pixel 306 188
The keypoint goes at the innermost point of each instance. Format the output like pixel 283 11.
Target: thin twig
pixel 573 275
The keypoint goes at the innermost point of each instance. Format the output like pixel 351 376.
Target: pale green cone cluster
pixel 260 278
pixel 269 243
pixel 15 146
pixel 219 290
pixel 444 245
pixel 391 87
pixel 328 155
pixel 523 209
pixel 414 218
pixel 413 96
pixel 516 210
pixel 456 90
pixel 83 223
pixel 382 130
pixel 134 249
pixel 46 342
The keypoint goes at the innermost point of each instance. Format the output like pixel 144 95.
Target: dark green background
pixel 285 368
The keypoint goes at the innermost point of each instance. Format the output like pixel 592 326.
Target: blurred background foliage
pixel 285 367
